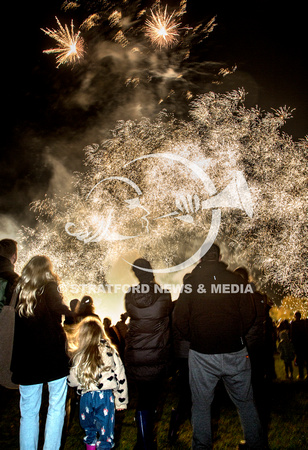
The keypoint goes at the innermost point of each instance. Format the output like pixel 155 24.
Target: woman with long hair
pixel 98 373
pixel 39 353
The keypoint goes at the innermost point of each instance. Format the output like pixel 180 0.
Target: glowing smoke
pixel 121 77
pixel 223 136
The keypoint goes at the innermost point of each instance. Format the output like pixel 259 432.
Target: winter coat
pixel 39 350
pixel 114 378
pixel 8 280
pixel 147 349
pixel 211 314
pixel 299 336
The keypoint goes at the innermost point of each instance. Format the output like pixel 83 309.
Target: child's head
pixel 284 336
pixel 90 331
pixel 87 354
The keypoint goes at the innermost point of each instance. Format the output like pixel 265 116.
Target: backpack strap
pixel 13 302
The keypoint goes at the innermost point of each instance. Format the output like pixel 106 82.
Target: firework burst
pixel 70 44
pixel 83 231
pixel 162 28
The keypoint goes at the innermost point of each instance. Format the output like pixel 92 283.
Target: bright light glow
pixel 223 136
pixel 70 45
pixel 162 28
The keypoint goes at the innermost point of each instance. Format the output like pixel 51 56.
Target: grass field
pixel 288 428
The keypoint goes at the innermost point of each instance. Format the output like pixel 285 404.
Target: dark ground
pixel 288 425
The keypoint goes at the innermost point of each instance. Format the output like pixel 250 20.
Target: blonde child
pixel 98 373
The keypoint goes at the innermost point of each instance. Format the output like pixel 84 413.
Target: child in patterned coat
pixel 98 373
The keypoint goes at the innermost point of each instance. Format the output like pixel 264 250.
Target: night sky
pixel 46 124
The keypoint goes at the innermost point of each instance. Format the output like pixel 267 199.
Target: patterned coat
pixel 113 378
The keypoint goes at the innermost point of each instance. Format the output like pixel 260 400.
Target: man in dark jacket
pixel 8 277
pixel 214 314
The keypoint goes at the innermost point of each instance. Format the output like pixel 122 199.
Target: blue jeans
pixel 30 404
pixel 97 413
pixel 205 370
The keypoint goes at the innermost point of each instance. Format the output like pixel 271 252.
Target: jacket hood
pixel 145 295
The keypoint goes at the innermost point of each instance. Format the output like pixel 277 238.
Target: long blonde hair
pixel 87 347
pixel 36 273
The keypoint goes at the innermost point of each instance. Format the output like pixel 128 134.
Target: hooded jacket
pixel 215 310
pixel 147 349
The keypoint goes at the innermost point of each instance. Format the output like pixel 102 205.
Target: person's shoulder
pixel 50 289
pixel 51 285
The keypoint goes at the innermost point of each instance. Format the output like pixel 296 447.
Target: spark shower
pixel 128 203
pixel 223 137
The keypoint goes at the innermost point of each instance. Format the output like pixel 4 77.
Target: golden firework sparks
pixel 70 45
pixel 162 28
pixel 272 243
pixel 90 22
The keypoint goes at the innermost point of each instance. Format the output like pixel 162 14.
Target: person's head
pixel 213 254
pixel 74 304
pixel 87 300
pixel 298 315
pixel 144 276
pixel 107 323
pixel 284 336
pixel 87 356
pixel 8 249
pixel 85 306
pixel 124 316
pixel 36 273
pixel 89 332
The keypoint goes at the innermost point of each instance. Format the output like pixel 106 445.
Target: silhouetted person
pixel 111 333
pixel 300 343
pixel 215 317
pixel 85 308
pixel 286 350
pixel 284 326
pixel 8 276
pixel 121 328
pixel 270 344
pixel 256 345
pixel 180 349
pixel 147 351
pixel 74 305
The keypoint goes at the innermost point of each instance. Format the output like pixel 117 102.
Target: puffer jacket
pixel 147 349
